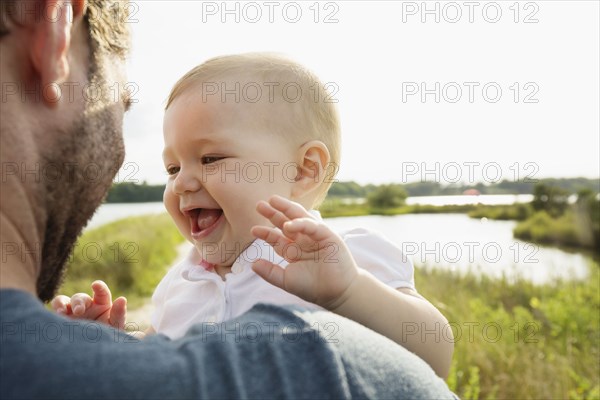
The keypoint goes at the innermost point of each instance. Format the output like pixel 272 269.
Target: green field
pixel 131 255
pixel 517 340
pixel 333 207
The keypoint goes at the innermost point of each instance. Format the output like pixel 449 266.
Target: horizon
pixel 411 182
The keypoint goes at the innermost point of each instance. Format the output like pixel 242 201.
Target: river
pixel 451 241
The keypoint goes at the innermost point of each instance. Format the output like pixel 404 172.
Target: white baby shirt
pixel 189 294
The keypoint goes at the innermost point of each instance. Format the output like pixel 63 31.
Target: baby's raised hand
pixel 100 308
pixel 320 269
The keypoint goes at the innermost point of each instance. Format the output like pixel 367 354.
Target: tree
pixel 346 189
pixel 129 192
pixel 587 217
pixel 551 199
pixel 387 196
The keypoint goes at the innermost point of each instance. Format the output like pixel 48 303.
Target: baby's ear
pixel 314 157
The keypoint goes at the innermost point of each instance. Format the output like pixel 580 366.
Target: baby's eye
pixel 172 170
pixel 210 159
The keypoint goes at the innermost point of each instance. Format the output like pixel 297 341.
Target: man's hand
pixel 320 269
pixel 101 308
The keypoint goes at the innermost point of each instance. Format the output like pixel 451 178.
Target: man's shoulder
pixel 17 304
pixel 45 355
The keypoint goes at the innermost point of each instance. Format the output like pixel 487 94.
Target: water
pixel 114 211
pixel 451 241
pixel 486 199
pixel 461 244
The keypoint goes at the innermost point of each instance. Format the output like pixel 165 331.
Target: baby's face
pixel 221 161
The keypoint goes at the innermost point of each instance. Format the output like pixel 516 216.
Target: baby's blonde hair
pixel 312 114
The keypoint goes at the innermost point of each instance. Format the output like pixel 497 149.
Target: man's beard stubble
pixel 88 156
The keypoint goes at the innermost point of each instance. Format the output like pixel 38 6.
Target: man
pixel 58 117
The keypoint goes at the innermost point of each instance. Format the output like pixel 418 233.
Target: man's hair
pixel 310 110
pixel 106 19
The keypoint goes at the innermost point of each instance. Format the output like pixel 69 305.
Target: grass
pixel 131 255
pixel 518 212
pixel 565 231
pixel 333 207
pixel 517 340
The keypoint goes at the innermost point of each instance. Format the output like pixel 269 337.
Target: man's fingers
pixel 102 295
pixel 118 313
pixel 80 302
pixel 60 304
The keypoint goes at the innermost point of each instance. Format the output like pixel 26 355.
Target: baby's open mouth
pixel 202 219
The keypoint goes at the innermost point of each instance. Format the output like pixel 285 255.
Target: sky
pixel 442 92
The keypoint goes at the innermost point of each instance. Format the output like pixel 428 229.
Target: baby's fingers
pixel 118 313
pixel 279 210
pixel 80 302
pixel 276 217
pixel 290 209
pixel 102 295
pixel 270 235
pixel 308 232
pixel 60 304
pixel 270 272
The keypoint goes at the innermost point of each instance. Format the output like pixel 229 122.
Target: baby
pixel 252 143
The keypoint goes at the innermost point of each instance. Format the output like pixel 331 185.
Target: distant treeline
pixel 571 185
pixel 129 192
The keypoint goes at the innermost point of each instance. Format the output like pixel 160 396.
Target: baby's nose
pixel 186 182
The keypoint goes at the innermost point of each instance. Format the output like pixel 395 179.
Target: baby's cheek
pixel 171 203
pixel 168 193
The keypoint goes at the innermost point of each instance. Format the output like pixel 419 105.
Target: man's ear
pixel 51 38
pixel 314 158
